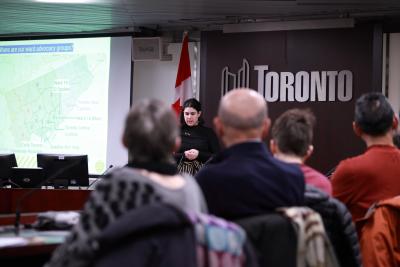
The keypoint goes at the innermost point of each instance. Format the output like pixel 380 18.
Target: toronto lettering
pixel 321 86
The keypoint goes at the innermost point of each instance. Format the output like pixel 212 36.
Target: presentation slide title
pixel 36 48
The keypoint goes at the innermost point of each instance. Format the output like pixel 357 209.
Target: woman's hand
pixel 191 154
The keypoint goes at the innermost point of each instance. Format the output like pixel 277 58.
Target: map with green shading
pixel 55 101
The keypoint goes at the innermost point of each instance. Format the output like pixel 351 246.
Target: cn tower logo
pixel 230 80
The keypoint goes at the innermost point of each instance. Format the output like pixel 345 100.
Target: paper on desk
pixel 12 241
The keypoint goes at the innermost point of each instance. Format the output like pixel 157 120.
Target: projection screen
pixel 65 96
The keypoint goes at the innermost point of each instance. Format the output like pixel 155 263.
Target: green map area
pixel 36 108
pixel 55 102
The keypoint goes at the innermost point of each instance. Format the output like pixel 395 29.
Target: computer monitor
pixel 27 177
pixel 70 168
pixel 7 161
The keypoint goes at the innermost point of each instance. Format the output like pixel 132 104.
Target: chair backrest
pixel 273 238
pixel 153 235
pixel 314 248
pixel 220 243
pixel 162 235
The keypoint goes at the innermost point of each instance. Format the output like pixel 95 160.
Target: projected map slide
pixel 54 99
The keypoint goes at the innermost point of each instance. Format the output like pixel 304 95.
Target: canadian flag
pixel 183 84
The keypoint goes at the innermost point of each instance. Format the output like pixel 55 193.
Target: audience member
pixel 245 179
pixel 292 135
pixel 374 175
pixel 151 135
pixel 199 143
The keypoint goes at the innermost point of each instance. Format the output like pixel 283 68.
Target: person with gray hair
pixel 244 179
pixel 151 133
pixel 151 136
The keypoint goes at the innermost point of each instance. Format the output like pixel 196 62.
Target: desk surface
pixel 36 247
pixel 29 243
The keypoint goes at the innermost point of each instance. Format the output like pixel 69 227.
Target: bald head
pixel 243 109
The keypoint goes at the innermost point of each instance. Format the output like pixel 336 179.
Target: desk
pixel 42 200
pixel 40 245
pixel 35 250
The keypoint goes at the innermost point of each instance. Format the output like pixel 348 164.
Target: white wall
pixel 394 71
pixel 156 79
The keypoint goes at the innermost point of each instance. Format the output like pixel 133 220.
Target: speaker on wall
pixel 149 48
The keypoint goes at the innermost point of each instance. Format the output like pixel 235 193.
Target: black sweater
pixel 198 137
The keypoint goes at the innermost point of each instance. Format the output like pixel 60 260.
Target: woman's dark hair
pixel 191 103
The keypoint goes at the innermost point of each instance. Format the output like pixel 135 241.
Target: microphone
pixel 28 193
pixel 100 176
pixel 11 183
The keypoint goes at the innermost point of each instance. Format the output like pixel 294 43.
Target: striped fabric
pixel 314 248
pixel 219 242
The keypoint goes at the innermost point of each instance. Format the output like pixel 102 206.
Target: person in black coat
pixel 338 225
pixel 199 143
pixel 244 179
